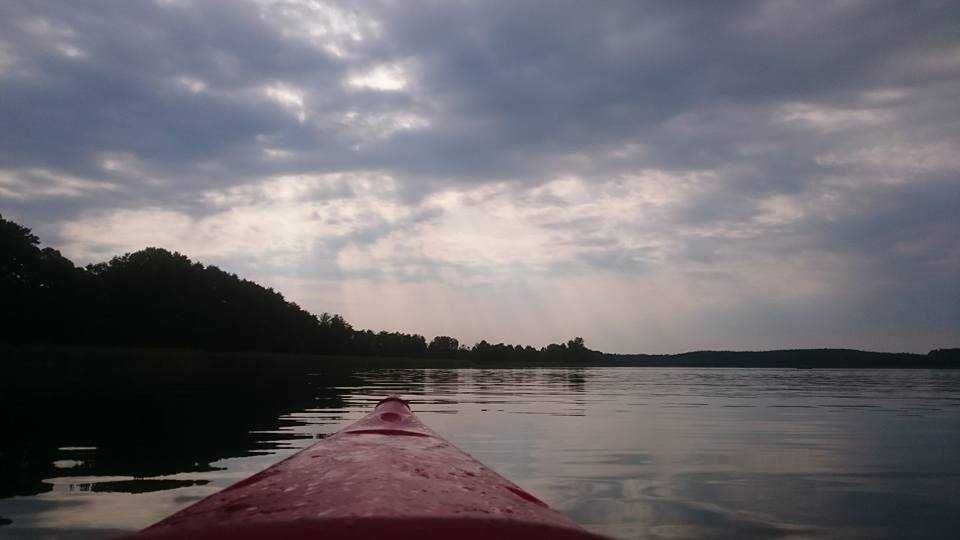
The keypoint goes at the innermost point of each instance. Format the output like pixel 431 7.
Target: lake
pixel 628 452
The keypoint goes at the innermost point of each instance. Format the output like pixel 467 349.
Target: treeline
pixel 155 298
pixel 798 358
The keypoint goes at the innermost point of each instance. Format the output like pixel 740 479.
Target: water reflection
pixel 146 428
pixel 630 452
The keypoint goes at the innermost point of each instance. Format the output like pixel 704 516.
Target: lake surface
pixel 629 452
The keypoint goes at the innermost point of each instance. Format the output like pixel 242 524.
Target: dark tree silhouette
pixel 39 287
pixel 157 298
pixel 444 346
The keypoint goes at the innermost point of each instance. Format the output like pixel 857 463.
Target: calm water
pixel 630 452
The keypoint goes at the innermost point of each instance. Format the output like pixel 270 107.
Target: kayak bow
pixel 385 476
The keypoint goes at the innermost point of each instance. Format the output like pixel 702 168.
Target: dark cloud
pixel 781 132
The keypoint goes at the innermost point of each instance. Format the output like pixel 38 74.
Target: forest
pixel 154 298
pixel 157 298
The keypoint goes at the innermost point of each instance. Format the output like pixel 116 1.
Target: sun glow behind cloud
pixel 384 77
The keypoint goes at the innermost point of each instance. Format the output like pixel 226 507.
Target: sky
pixel 652 176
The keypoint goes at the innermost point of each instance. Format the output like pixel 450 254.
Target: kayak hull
pixel 386 476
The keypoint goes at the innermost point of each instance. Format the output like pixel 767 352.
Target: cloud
pixel 651 175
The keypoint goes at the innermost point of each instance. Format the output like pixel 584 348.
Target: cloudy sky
pixel 652 176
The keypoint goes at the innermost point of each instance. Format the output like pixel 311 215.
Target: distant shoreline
pixel 795 358
pixel 167 312
pixel 78 360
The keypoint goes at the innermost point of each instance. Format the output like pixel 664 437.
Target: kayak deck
pixel 385 476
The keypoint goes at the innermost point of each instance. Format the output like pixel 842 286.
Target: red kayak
pixel 385 476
